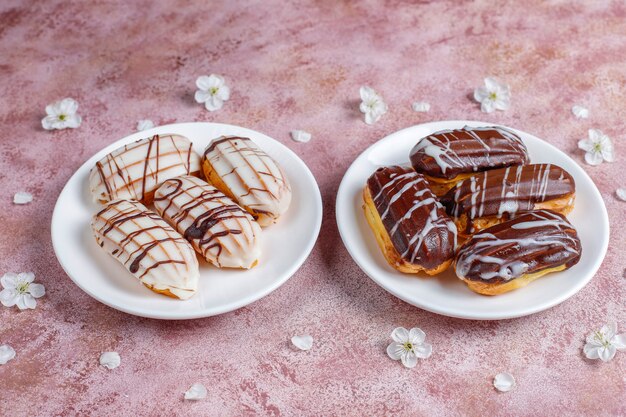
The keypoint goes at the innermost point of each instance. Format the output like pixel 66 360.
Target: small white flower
pixel 61 115
pixel 300 136
pixel 621 193
pixel 196 392
pixel 20 290
pixel 372 105
pixel 504 382
pixel 598 147
pixel 580 112
pixel 6 354
pixel 493 96
pixel 22 197
pixel 420 106
pixel 408 346
pixel 304 342
pixel 145 124
pixel 603 344
pixel 212 91
pixel 110 360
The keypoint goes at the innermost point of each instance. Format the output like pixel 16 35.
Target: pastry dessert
pixel 492 197
pixel 136 170
pixel 510 255
pixel 411 226
pixel 148 247
pixel 245 173
pixel 218 229
pixel 449 156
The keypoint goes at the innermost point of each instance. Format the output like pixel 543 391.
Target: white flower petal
pixel 366 93
pixel 49 122
pixel 68 106
pixel 20 301
pixel 480 94
pixel 22 197
pixel 9 280
pixel 213 103
pixel 8 297
pixel 26 277
pixel 372 117
pixel 300 136
pixel 621 193
pixel 585 145
pixel 423 351
pixel 595 135
pixel 409 359
pixel 487 106
pixel 609 330
pixel 395 350
pixel 491 84
pixel 591 351
pixel 420 106
pixel 110 360
pixel 6 354
pixel 201 96
pixel 504 382
pixel 216 81
pixel 196 392
pixel 145 124
pixel 501 103
pixel 416 336
pixel 28 301
pixel 606 353
pixel 607 154
pixel 580 112
pixel 619 341
pixel 593 158
pixel 400 335
pixel 37 290
pixel 224 93
pixel 303 342
pixel 203 82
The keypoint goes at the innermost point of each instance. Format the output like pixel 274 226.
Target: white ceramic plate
pixel 446 294
pixel 285 245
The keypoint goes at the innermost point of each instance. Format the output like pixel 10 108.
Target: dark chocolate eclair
pixel 414 220
pixel 535 241
pixel 448 153
pixel 506 191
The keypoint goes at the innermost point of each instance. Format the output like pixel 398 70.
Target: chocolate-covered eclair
pixel 449 156
pixel 510 255
pixel 492 197
pixel 411 226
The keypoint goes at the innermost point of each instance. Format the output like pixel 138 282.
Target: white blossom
pixel 212 91
pixel 372 105
pixel 20 290
pixel 408 346
pixel 61 115
pixel 598 148
pixel 602 344
pixel 493 96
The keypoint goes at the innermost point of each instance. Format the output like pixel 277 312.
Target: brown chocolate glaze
pixel 448 153
pixel 416 222
pixel 533 241
pixel 506 191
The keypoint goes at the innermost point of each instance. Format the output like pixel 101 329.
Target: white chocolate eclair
pixel 218 229
pixel 248 175
pixel 136 170
pixel 148 247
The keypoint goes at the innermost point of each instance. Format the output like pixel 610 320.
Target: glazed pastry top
pixel 224 233
pixel 508 190
pixel 448 153
pixel 253 178
pixel 533 241
pixel 415 221
pixel 135 171
pixel 149 248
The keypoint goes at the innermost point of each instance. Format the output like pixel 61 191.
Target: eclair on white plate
pixel 148 247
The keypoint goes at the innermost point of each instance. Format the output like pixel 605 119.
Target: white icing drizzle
pixel 511 267
pixel 396 188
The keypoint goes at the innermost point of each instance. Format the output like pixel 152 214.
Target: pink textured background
pixel 299 66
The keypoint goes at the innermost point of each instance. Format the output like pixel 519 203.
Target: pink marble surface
pixel 299 66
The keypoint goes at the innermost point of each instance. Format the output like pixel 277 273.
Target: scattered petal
pixel 621 193
pixel 493 95
pixel 6 354
pixel 504 382
pixel 598 147
pixel 421 106
pixel 300 136
pixel 110 360
pixel 212 91
pixel 61 115
pixel 22 197
pixel 145 124
pixel 304 342
pixel 196 392
pixel 580 112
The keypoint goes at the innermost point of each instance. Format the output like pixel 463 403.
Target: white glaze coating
pixel 221 231
pixel 148 247
pixel 136 170
pixel 253 178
